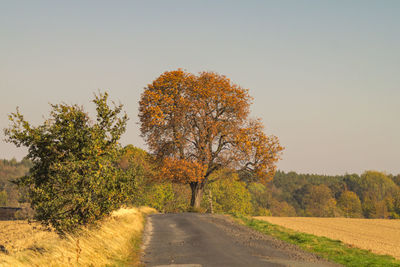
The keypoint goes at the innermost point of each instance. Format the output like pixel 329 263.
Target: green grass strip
pixel 332 250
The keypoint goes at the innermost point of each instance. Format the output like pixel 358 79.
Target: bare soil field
pixel 377 235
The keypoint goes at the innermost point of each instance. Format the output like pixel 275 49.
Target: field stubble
pixel 112 242
pixel 377 235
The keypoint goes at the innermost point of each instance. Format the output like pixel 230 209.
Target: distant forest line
pixel 370 195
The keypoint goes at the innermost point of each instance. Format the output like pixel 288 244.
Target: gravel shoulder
pixel 195 239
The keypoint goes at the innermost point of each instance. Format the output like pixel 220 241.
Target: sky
pixel 325 75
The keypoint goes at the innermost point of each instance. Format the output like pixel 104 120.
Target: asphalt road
pixel 191 239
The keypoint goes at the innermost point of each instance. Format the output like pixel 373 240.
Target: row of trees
pixel 10 170
pixel 370 195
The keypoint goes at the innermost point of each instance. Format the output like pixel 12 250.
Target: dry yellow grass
pixel 378 235
pixel 111 242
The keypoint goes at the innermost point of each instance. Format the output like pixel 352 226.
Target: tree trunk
pixel 197 194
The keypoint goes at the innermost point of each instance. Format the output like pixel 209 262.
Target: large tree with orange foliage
pixel 197 124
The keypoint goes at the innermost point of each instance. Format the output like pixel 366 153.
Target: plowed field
pixel 378 235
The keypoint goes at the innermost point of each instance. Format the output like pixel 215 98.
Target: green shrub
pixel 227 194
pixel 75 178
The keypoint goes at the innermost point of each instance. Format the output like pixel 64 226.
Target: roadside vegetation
pixel 332 250
pixel 370 195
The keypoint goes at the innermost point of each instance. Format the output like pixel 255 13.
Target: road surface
pixel 205 240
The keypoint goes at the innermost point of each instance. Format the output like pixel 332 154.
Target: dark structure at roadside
pixel 8 213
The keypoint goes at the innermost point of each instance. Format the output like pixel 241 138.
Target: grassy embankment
pixel 115 242
pixel 332 250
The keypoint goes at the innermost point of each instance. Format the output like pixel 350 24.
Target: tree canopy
pixel 197 124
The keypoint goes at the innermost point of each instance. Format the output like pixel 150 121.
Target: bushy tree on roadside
pixel 138 163
pixel 164 196
pixel 227 193
pixel 75 179
pixel 167 197
pixel 260 198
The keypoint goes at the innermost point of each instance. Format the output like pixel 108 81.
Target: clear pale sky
pixel 325 75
